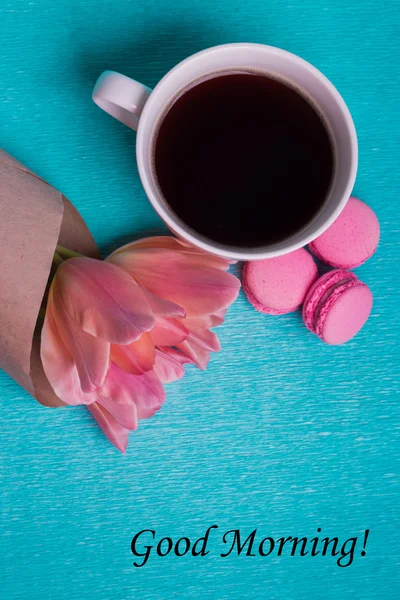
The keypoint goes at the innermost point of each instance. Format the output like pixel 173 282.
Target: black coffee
pixel 243 159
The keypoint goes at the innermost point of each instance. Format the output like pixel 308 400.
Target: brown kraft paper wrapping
pixel 34 218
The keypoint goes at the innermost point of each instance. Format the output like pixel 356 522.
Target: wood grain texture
pixel 281 433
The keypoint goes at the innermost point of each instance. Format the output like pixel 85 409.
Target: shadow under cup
pixel 172 150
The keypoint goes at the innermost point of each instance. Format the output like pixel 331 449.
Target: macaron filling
pixel 322 289
pixel 327 300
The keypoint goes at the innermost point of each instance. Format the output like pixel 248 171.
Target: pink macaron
pixel 337 306
pixel 277 286
pixel 351 239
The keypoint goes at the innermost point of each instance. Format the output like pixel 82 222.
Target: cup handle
pixel 121 97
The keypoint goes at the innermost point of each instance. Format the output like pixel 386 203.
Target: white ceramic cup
pixel 140 108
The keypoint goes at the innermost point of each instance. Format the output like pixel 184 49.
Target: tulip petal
pixel 124 412
pixel 150 394
pixel 118 398
pixel 203 338
pixel 218 318
pixel 197 354
pixel 121 388
pixel 103 300
pixel 136 357
pixel 169 364
pixel 172 243
pixel 175 276
pixel 178 356
pixel 168 332
pixel 59 366
pixel 205 321
pixel 164 308
pixel 91 355
pixel 117 434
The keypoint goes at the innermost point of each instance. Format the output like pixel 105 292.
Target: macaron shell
pixel 318 290
pixel 277 286
pixel 351 239
pixel 346 315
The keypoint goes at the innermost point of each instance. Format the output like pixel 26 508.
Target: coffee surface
pixel 243 159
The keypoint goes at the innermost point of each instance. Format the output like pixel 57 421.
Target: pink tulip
pixel 115 331
pixel 170 268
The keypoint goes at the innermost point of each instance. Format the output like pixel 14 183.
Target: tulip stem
pixel 65 253
pixel 40 320
pixel 57 260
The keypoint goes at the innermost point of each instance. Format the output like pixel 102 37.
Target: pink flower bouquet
pixel 113 332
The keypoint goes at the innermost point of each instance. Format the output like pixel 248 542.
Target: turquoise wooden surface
pixel 281 432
